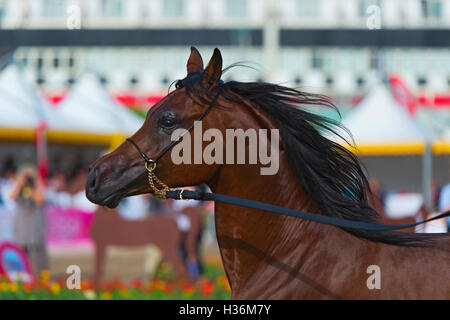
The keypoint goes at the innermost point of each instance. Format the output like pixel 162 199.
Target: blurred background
pixel 77 77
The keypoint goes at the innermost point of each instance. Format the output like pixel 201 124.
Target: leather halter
pixel 160 188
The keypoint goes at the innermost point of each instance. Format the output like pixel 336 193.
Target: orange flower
pixel 13 287
pixel 34 284
pixel 27 287
pixel 55 288
pixel 159 285
pixel 188 289
pixel 86 285
pixel 3 286
pixel 168 289
pixel 44 284
pixel 137 284
pixel 45 275
pixel 207 288
pixel 114 284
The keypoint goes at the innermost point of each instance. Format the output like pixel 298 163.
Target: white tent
pixel 380 121
pixel 21 107
pixel 91 109
pixel 382 127
pixel 17 100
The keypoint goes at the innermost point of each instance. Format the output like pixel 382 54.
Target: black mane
pixel 331 174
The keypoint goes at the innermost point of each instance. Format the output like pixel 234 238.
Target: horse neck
pixel 247 236
pixel 245 181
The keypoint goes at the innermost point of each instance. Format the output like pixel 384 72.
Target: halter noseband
pixel 160 188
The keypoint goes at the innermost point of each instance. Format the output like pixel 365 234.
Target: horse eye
pixel 167 122
pixel 179 84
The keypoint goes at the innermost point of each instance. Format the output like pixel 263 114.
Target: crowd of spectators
pixel 24 197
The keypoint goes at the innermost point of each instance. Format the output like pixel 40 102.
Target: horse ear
pixel 213 71
pixel 195 62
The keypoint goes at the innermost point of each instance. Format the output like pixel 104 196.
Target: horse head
pixel 122 173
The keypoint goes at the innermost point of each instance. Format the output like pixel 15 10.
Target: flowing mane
pixel 331 175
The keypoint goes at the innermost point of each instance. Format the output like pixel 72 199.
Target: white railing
pixel 215 13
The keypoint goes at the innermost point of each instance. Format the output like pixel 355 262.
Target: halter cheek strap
pixel 159 188
pixel 143 155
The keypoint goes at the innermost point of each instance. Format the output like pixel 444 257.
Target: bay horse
pixel 266 255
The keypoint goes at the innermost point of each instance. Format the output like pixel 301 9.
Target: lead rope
pixel 154 182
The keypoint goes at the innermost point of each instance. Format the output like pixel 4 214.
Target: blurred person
pixel 30 223
pixel 55 193
pixel 7 206
pixel 444 202
pixel 6 184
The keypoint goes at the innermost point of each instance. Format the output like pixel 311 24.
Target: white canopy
pixel 91 109
pixel 21 107
pixel 18 101
pixel 379 119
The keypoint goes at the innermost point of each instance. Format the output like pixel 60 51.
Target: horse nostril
pixel 92 181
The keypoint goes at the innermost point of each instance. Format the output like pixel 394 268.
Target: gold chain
pixel 154 182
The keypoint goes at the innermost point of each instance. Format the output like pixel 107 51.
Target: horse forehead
pixel 183 102
pixel 167 101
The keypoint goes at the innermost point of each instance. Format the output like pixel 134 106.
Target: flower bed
pixel 212 285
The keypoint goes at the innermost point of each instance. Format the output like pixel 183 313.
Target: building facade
pixel 338 47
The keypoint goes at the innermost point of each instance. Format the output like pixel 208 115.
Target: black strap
pixel 183 194
pixel 143 155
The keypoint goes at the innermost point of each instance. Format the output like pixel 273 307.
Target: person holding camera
pixel 29 222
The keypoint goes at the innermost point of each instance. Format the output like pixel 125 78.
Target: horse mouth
pixel 109 191
pixel 111 201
